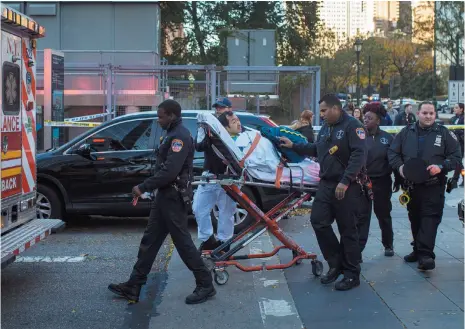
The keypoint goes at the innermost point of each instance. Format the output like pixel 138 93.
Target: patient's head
pixel 231 122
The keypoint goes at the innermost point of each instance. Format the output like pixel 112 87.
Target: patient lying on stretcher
pixel 259 155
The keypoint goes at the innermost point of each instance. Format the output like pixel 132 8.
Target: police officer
pixel 379 172
pixel 209 195
pixel 173 172
pixel 440 152
pixel 341 151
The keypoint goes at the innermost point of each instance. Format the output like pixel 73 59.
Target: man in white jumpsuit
pixel 209 195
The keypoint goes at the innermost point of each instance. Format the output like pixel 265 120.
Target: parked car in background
pixel 100 182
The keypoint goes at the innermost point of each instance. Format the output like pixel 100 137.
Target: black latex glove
pixel 397 182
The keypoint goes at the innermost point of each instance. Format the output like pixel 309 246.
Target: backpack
pixel 273 134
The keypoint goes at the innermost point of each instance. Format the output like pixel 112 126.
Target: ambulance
pixel 20 227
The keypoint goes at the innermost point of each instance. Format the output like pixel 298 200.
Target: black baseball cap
pixel 222 102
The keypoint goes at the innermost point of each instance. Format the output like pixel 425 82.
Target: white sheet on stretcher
pixel 263 162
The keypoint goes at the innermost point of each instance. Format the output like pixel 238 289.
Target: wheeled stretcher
pixel 239 174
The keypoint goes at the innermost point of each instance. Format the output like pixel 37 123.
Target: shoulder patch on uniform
pixel 454 136
pixel 360 133
pixel 176 145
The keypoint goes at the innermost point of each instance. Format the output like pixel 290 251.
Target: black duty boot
pixel 331 275
pixel 347 284
pixel 389 252
pixel 411 258
pixel 201 294
pixel 426 264
pixel 210 244
pixel 126 290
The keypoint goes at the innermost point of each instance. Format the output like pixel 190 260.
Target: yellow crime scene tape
pixel 49 123
pixel 397 129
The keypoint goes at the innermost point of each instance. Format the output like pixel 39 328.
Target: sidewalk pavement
pixel 392 294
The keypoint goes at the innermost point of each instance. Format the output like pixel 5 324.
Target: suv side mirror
pixel 85 151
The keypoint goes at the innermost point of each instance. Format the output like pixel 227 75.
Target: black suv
pixel 101 183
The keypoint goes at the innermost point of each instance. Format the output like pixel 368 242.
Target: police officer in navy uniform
pixel 437 148
pixel 341 150
pixel 173 173
pixel 379 171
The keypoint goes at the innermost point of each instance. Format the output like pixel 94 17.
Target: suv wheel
pixel 242 219
pixel 48 203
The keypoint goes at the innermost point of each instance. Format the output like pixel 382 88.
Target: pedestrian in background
pixel 379 172
pixel 304 125
pixel 458 120
pixel 358 114
pixel 171 180
pixel 423 153
pixel 391 111
pixel 406 117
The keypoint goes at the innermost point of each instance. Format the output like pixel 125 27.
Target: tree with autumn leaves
pixel 396 57
pixel 302 40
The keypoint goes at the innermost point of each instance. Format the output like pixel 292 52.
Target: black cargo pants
pixel 168 215
pixel 325 209
pixel 425 214
pixel 382 193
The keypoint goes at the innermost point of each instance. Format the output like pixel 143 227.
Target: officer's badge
pixel 176 145
pixel 454 136
pixel 340 134
pixel 438 140
pixel 384 140
pixel 360 133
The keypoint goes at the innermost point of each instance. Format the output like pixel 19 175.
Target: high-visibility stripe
pixel 11 155
pixel 11 172
pixel 11 163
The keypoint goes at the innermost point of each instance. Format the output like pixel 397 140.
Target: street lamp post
pixel 434 56
pixel 358 49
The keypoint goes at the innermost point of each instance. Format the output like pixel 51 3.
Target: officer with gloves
pixel 209 195
pixel 423 153
pixel 173 173
pixel 341 150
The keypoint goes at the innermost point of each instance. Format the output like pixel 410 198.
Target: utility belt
pixel 407 188
pixel 362 177
pixel 180 186
pixel 183 188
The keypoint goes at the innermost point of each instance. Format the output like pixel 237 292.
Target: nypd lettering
pixel 438 140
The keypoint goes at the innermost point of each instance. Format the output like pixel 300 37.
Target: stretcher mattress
pixel 263 162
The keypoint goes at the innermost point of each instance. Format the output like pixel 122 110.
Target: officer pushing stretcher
pixel 341 150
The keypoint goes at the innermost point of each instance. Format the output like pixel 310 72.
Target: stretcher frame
pixel 220 258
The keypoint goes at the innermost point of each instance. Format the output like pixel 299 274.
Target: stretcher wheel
pixel 221 277
pixel 317 268
pixel 294 255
